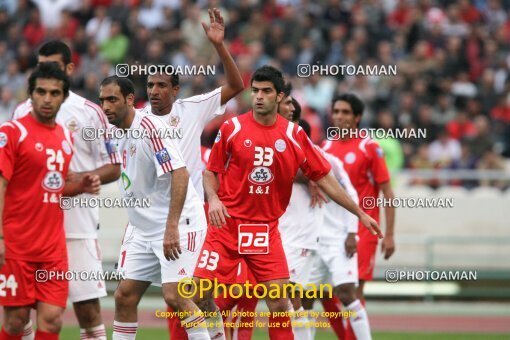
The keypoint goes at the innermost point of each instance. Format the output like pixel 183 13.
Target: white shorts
pixel 331 265
pixel 145 261
pixel 85 255
pixel 299 261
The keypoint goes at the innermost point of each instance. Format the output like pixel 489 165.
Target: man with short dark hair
pixel 97 157
pixel 35 154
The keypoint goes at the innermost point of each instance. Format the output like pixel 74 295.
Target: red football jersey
pixel 258 164
pixel 364 162
pixel 34 158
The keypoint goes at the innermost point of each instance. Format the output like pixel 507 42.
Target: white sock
pixel 215 326
pixel 93 333
pixel 196 327
pixel 300 329
pixel 359 321
pixel 28 332
pixel 124 330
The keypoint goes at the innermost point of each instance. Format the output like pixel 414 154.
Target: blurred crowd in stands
pixel 452 60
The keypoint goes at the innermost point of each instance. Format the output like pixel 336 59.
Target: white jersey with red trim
pixel 75 114
pixel 146 174
pixel 192 115
pixel 338 221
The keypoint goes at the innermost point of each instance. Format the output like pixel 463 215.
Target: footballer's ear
pixel 130 99
pixel 175 90
pixel 280 97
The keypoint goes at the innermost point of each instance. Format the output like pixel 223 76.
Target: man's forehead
pixel 158 78
pixel 262 84
pixel 110 89
pixel 50 58
pixel 48 82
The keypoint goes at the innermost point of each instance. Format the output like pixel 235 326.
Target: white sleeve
pixel 103 148
pixel 22 109
pixel 341 175
pixel 167 156
pixel 207 106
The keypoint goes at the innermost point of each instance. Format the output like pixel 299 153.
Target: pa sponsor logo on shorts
pixel 253 239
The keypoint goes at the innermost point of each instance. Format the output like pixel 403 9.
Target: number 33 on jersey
pixel 258 164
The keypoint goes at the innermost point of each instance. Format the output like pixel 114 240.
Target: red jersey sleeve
pixel 9 135
pixel 378 166
pixel 220 152
pixel 315 166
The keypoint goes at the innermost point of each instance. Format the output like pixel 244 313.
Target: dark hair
pixel 174 78
pixel 287 88
pixel 306 127
pixel 48 71
pixel 269 73
pixel 357 105
pixel 296 115
pixel 126 85
pixel 56 47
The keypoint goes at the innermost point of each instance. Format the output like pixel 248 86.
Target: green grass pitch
pixel 71 333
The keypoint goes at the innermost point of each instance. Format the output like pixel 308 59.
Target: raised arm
pixel 216 34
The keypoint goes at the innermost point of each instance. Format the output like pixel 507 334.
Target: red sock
pixel 334 305
pixel 6 336
pixel 40 335
pixel 246 305
pixel 174 327
pixel 283 331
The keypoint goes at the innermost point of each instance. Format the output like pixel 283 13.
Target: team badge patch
pixel 66 147
pixel 132 150
pixel 53 181
pixel 72 125
pixel 350 158
pixel 3 139
pixel 162 156
pixel 218 137
pixel 261 175
pixel 280 145
pixel 174 120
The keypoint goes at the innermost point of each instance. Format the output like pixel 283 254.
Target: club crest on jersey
pixel 66 147
pixel 280 145
pixel 174 120
pixel 72 125
pixel 53 181
pixel 218 137
pixel 247 143
pixel 3 139
pixel 132 150
pixel 39 147
pixel 350 158
pixel 162 156
pixel 261 175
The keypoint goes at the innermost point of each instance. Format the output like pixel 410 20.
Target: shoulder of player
pixel 369 146
pixel 91 109
pixel 22 109
pixel 199 98
pixel 151 122
pixel 14 130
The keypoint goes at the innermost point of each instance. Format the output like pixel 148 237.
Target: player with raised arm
pixel 166 237
pixel 35 154
pixel 81 223
pixel 258 155
pixel 363 160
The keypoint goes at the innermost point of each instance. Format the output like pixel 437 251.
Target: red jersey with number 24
pixel 34 158
pixel 258 164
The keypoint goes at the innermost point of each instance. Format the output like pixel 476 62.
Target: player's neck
pixel 126 123
pixel 47 122
pixel 163 112
pixel 266 120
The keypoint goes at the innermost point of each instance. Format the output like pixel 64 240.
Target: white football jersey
pixel 191 115
pixel 146 174
pixel 338 221
pixel 75 114
pixel 299 225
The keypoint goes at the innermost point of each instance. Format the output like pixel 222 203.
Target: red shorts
pixel 367 249
pixel 25 283
pixel 260 248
